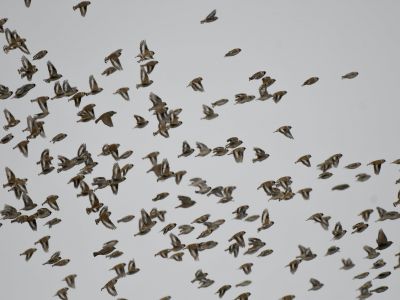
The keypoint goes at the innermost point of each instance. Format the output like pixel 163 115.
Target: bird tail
pixel 95 254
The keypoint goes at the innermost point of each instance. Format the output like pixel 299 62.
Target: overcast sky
pixel 291 41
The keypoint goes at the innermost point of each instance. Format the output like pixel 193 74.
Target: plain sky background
pixel 292 41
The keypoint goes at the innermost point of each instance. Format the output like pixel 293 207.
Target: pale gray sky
pixel 292 41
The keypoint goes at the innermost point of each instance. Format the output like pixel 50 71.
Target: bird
pixel 211 17
pixel 305 160
pixel 260 155
pixel 310 81
pixel 209 113
pixel 316 284
pixel 350 75
pixel 11 120
pixel 40 54
pixel 106 118
pixel 82 6
pixel 53 74
pixel 377 164
pixel 285 130
pixel 145 81
pixel 196 84
pixel 70 280
pixel 233 52
pixel 123 91
pixel 382 241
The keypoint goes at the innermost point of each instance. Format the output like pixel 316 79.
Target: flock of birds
pixel 83 164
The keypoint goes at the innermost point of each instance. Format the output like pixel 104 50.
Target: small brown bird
pixel 82 6
pixel 305 193
pixel 22 147
pixel 126 219
pixel 53 74
pixel 233 52
pixel 40 54
pixel 293 265
pixel 53 222
pixel 238 238
pixel 62 293
pixel 106 118
pixel 196 84
pixel 359 227
pixel 70 280
pixel 123 91
pixel 104 218
pixel 23 90
pixel 132 268
pixel 140 121
pixel 377 164
pixel 61 263
pixel 365 214
pixel 44 242
pixel 362 177
pixel 353 166
pixel 347 264
pixel 332 250
pixel 110 287
pixel 144 79
pixel 209 113
pixel 277 96
pixel 338 232
pixel 28 253
pixel 58 137
pixel 305 160
pixel 340 187
pixel 186 150
pixel 186 202
pixel 5 139
pixel 285 130
pixel 383 275
pixel 108 71
pixel 260 155
pixel 168 228
pixel 350 75
pixel 382 241
pixel 11 120
pixel 145 53
pixel 113 57
pixel 378 264
pixel 310 81
pixel 265 221
pixel 257 75
pixel 28 69
pixel 372 253
pixel 203 149
pixel 316 284
pixel 211 17
pixel 94 87
pixel 223 289
pixel 119 269
pixel 55 257
pixel 219 102
pixel 380 289
pixel 149 66
pixel 361 275
pixel 246 268
pixel 238 154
